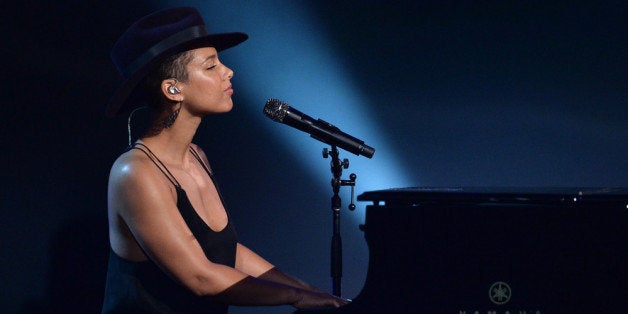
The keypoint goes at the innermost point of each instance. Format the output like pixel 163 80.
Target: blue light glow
pixel 289 57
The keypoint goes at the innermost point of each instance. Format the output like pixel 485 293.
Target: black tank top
pixel 141 287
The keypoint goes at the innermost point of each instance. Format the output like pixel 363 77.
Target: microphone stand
pixel 336 240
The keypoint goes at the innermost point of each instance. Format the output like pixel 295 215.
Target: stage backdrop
pixel 450 94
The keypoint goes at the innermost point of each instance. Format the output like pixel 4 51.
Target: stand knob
pixel 325 152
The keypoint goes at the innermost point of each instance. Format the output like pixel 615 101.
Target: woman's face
pixel 208 88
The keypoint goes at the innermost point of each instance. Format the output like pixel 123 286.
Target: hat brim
pixel 126 96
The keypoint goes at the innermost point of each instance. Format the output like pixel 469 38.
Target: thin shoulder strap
pixel 209 173
pixel 198 157
pixel 157 162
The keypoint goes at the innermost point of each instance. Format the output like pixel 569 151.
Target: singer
pixel 173 245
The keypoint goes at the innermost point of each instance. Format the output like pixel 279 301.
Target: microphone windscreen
pixel 276 109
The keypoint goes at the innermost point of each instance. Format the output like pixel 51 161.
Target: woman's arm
pixel 145 201
pixel 249 262
pixel 142 199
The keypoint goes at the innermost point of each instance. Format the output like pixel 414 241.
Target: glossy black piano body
pixel 498 251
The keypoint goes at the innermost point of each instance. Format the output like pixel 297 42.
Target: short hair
pixel 174 67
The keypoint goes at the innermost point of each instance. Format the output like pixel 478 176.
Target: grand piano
pixel 494 250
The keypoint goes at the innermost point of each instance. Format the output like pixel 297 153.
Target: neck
pixel 172 144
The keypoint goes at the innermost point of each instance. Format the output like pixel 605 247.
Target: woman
pixel 173 246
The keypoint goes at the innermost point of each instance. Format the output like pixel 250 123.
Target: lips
pixel 229 90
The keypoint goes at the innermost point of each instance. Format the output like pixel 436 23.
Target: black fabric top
pixel 142 287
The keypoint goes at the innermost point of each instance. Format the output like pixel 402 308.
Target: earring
pixel 173 90
pixel 169 121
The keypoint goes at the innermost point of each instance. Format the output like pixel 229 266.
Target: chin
pixel 222 108
pixel 227 109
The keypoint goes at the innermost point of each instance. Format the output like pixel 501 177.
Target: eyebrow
pixel 212 56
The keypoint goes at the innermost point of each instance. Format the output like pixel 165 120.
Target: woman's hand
pixel 317 300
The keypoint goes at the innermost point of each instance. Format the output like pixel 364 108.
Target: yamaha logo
pixel 499 293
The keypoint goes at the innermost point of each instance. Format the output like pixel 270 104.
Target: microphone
pixel 280 111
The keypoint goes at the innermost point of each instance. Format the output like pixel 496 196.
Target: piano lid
pixel 499 195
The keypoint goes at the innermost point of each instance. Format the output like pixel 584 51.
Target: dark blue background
pixel 494 93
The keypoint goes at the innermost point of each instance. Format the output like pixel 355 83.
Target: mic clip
pixel 336 181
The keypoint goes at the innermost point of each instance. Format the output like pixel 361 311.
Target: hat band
pixel 180 37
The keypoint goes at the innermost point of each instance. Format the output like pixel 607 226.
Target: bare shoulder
pixel 134 179
pixel 132 167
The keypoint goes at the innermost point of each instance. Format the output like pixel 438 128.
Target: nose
pixel 229 73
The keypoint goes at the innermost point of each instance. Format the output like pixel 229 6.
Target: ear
pixel 170 90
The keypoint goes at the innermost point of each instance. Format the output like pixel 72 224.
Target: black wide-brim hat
pixel 152 39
